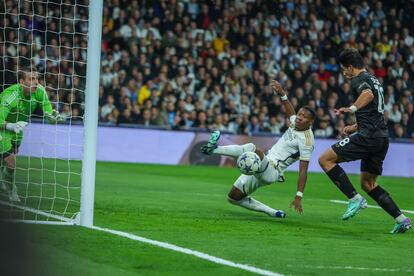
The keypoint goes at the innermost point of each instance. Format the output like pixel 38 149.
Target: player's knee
pixel 322 161
pixel 326 161
pixel 368 185
pixel 368 181
pixel 235 195
pixel 260 154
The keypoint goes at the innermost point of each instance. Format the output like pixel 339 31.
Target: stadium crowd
pixel 52 37
pixel 186 64
pixel 207 65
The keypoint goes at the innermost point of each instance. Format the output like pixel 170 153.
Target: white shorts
pixel 250 183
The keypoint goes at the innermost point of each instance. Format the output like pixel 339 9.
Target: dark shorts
pixel 371 151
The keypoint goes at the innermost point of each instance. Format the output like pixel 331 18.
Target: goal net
pixel 51 37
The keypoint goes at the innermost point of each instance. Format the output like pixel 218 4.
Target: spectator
pixel 254 125
pixel 395 115
pixel 399 132
pixel 145 119
pixel 274 126
pixel 108 107
pixel 126 117
pixel 201 122
pixel 113 117
pixel 324 129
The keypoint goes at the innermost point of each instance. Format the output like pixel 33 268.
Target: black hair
pixel 310 110
pixel 351 56
pixel 23 71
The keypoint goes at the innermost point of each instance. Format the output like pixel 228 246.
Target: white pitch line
pixel 165 245
pixel 378 269
pixel 35 211
pixel 370 206
pixel 197 254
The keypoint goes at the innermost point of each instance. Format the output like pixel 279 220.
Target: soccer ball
pixel 248 163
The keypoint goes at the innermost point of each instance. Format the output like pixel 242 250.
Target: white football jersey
pixel 292 146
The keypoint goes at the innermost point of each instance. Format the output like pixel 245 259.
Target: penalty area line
pixel 187 251
pixel 369 206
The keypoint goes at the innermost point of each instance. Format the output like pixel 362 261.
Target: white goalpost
pixel 91 113
pixel 55 166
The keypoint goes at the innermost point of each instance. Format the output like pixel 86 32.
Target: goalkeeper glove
pixel 16 127
pixel 54 117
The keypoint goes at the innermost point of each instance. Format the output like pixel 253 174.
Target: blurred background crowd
pixel 52 37
pixel 204 65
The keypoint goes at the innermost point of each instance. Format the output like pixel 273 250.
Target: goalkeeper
pixel 17 103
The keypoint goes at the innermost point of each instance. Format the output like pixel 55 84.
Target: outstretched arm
pixel 51 114
pixel 364 98
pixel 42 97
pixel 277 87
pixel 303 176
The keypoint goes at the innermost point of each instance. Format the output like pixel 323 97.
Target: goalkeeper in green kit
pixel 17 103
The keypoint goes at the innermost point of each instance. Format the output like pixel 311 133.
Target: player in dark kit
pixel 367 141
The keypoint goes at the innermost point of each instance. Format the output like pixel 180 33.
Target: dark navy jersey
pixel 370 118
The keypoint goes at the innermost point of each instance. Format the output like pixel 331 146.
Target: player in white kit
pixel 295 144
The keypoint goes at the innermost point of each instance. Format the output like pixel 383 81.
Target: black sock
pixel 385 201
pixel 339 177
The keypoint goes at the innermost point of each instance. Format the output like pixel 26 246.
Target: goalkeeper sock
pixel 253 204
pixel 234 150
pixel 339 177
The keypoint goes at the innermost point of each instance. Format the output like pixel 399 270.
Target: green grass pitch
pixel 186 206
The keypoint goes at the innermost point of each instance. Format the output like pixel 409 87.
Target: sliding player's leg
pixel 247 184
pixel 231 150
pixel 238 196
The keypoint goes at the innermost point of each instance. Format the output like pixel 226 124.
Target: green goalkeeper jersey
pixel 15 107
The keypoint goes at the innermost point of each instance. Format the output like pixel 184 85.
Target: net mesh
pixel 50 36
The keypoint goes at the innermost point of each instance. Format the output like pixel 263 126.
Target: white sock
pixel 400 218
pixel 234 150
pixel 255 205
pixel 356 197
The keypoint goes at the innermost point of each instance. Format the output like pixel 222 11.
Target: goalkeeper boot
pixel 280 214
pixel 212 143
pixel 402 227
pixel 13 196
pixel 354 206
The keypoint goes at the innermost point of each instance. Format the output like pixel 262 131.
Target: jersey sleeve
pixel 8 101
pixel 306 146
pixel 43 99
pixel 362 85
